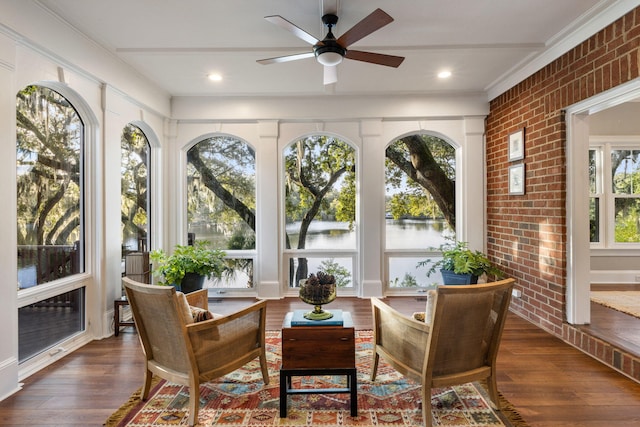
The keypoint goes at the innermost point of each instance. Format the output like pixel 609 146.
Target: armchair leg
pixel 146 387
pixel 264 368
pixel 426 406
pixel 493 392
pixel 374 367
pixel 194 403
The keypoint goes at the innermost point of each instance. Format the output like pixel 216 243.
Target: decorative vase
pixel 317 294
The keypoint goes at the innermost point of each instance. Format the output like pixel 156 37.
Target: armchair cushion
pixel 190 313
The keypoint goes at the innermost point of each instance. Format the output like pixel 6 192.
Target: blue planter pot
pixel 190 282
pixel 451 278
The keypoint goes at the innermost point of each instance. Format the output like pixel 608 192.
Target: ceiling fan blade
pixel 330 74
pixel 375 58
pixel 285 58
pixel 297 31
pixel 376 20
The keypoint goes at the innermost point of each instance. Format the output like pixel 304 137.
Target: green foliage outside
pixel 340 273
pixel 625 170
pixel 408 281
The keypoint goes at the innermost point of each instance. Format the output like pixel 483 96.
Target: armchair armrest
pixel 231 340
pixel 199 299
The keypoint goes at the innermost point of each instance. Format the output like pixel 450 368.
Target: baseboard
pixel 371 288
pixel 615 276
pixel 9 378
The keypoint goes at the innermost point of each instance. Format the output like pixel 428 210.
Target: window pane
pixel 238 275
pixel 420 212
pixel 625 171
pixel 44 324
pixel 594 219
pixel 593 172
pixel 221 202
pixel 340 268
pixel 404 272
pixel 221 192
pixel 420 205
pixel 627 217
pixel 49 187
pixel 135 154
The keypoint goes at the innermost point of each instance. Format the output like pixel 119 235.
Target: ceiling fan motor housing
pixel 329 44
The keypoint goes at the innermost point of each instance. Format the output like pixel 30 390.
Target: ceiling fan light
pixel 329 58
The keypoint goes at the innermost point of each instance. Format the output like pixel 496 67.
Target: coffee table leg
pixel 284 383
pixel 353 386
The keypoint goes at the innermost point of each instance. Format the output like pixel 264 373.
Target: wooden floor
pixel 549 382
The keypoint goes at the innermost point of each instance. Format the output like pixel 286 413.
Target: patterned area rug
pixel 241 399
pixel 627 302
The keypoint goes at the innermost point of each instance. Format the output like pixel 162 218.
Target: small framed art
pixel 516 179
pixel 516 145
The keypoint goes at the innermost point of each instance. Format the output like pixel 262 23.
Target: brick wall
pixel 527 233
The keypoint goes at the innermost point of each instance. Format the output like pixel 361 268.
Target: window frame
pixel 604 146
pixel 88 199
pixel 251 254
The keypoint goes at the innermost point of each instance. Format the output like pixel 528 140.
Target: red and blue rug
pixel 242 399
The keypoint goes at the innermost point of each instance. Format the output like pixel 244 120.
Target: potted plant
pixel 188 265
pixel 460 265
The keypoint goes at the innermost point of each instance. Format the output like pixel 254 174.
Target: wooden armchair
pixel 187 352
pixel 456 344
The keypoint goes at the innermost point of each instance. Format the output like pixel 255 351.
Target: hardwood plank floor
pixel 549 382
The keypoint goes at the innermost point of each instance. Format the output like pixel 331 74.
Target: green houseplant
pixel 461 265
pixel 195 261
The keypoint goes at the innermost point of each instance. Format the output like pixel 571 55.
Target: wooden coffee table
pixel 318 350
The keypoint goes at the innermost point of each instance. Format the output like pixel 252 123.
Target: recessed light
pixel 444 74
pixel 215 77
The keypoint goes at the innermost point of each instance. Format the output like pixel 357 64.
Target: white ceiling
pixel 485 43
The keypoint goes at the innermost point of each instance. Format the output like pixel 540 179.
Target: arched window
pixel 135 194
pixel 50 195
pixel 221 203
pixel 420 207
pixel 320 209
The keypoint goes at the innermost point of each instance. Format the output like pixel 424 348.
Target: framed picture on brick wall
pixel 516 179
pixel 516 145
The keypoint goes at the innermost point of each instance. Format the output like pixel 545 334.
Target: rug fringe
pixel 126 407
pixel 511 413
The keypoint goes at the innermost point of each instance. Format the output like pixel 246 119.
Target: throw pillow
pixel 192 314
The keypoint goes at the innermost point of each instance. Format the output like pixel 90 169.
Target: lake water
pixel 399 234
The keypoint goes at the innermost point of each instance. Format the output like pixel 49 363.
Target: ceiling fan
pixel 331 51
